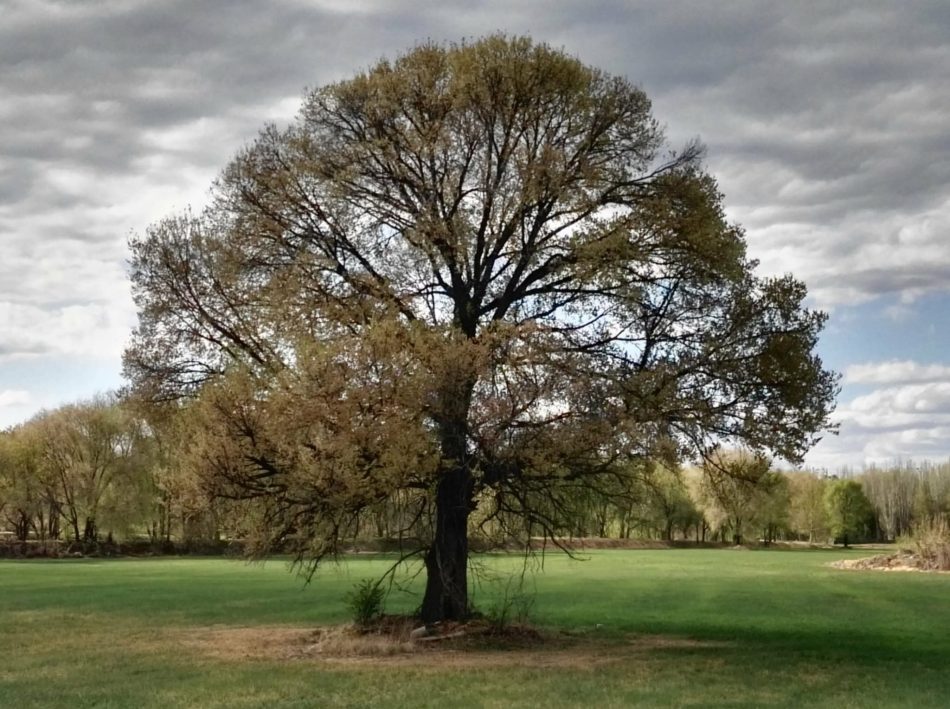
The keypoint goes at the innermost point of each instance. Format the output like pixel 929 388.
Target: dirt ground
pixel 463 647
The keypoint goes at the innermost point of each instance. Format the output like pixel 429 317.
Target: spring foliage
pixel 475 277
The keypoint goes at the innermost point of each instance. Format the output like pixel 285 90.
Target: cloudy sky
pixel 827 125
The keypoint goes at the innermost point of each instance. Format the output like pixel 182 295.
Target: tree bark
pixel 90 531
pixel 446 594
pixel 21 526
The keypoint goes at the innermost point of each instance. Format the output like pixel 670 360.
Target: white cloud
pixel 896 371
pixel 14 397
pixel 889 405
pixel 907 416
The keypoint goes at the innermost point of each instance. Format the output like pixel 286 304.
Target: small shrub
pixel 365 602
pixel 513 606
pixel 931 540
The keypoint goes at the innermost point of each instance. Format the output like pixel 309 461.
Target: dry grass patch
pixel 899 561
pixel 646 643
pixel 252 643
pixel 463 647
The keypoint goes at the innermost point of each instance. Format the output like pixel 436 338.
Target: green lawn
pixel 670 627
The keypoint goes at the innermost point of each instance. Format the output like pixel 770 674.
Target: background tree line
pixel 97 471
pixel 107 470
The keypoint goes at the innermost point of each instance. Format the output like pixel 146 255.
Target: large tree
pixel 475 277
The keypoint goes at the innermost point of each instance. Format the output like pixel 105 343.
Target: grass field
pixel 627 628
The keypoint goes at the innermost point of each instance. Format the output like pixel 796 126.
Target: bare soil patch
pixel 898 561
pixel 468 646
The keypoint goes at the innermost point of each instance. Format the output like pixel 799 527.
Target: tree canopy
pixel 475 277
pixel 849 511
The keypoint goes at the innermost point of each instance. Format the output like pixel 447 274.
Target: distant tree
pixel 772 506
pixel 176 500
pixel 931 492
pixel 667 503
pixel 735 489
pixel 473 278
pixel 849 511
pixel 28 500
pixel 88 452
pixel 807 514
pixel 892 492
pixel 19 493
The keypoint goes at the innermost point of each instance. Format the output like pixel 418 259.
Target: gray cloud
pixel 826 125
pixel 21 347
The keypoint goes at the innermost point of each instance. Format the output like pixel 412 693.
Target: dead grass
pixel 899 561
pixel 471 648
pixel 233 644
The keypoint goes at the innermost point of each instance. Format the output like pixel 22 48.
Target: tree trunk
pixel 446 595
pixel 21 526
pixel 90 531
pixel 53 524
pixel 38 523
